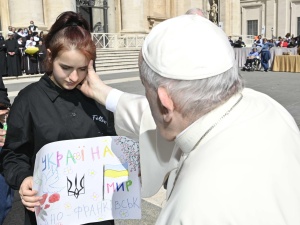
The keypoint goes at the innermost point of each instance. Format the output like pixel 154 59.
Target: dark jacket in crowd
pixel 239 44
pixel 3 66
pixel 13 61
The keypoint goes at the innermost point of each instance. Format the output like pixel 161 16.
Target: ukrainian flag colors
pixel 115 171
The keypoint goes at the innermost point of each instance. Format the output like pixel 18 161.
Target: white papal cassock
pixel 245 171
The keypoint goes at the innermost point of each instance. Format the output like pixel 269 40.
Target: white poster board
pixel 88 180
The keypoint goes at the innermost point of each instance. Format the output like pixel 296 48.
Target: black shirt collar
pixel 51 89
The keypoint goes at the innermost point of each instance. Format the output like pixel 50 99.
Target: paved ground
pixel 283 87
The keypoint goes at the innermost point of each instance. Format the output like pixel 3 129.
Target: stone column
pixel 185 5
pixel 295 13
pixel 270 18
pixel 111 17
pixel 53 8
pixel 283 27
pixel 22 12
pixel 262 28
pixel 4 15
pixel 230 15
pixel 118 17
pixel 97 15
pixel 133 15
pixel 235 17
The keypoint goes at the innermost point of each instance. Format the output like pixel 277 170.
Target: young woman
pixel 53 109
pixel 41 36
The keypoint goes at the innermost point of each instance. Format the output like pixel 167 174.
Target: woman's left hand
pixel 28 196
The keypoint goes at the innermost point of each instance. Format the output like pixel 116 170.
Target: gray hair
pixel 195 98
pixel 196 11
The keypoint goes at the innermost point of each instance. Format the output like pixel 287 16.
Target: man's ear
pixel 167 104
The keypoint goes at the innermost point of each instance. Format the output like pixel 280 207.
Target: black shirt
pixel 43 113
pixel 12 45
pixel 239 44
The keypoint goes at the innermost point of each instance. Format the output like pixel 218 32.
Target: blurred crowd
pixel 288 41
pixel 22 51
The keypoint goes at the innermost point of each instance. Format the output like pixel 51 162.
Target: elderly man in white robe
pixel 236 157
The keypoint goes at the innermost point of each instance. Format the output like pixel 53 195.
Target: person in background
pixel 30 34
pixel 284 43
pixel 21 44
pixel 30 42
pixel 20 34
pixel 197 99
pixel 250 58
pixel 288 37
pixel 3 63
pixel 239 43
pixel 277 42
pixel 9 28
pixel 14 31
pixel 292 43
pixel 41 36
pixel 52 109
pixel 36 38
pixel 32 27
pixel 13 59
pixel 265 54
pixel 31 59
pixel 41 57
pixel 25 32
pixel 6 193
pixel 298 44
pixel 230 41
pixel 259 41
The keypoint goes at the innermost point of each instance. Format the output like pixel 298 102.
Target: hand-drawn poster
pixel 88 180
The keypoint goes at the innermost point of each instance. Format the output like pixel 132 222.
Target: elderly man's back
pixel 245 171
pixel 235 158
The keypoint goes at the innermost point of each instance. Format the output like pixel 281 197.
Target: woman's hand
pixel 92 86
pixel 28 196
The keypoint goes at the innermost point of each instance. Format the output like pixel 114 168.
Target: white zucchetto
pixel 188 47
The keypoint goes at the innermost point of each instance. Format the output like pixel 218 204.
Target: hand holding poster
pixel 88 180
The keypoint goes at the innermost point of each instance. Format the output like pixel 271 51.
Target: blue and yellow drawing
pixel 116 171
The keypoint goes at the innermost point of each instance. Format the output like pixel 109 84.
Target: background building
pixel 270 17
pixel 235 17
